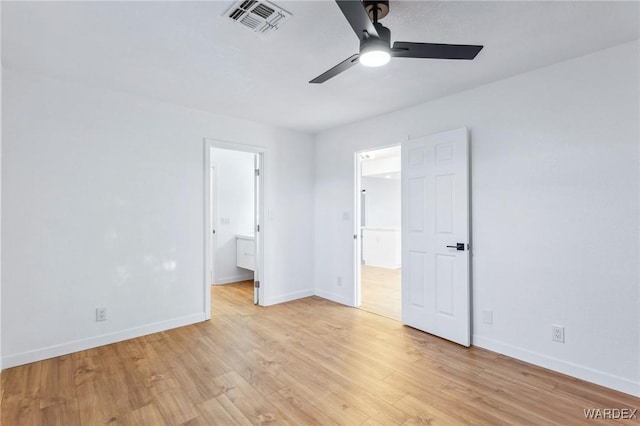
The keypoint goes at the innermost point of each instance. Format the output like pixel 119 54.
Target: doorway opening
pixel 378 224
pixel 233 206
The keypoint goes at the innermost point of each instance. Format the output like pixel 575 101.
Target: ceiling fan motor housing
pixel 382 42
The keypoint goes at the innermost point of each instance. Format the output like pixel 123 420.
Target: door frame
pixel 213 212
pixel 208 225
pixel 357 234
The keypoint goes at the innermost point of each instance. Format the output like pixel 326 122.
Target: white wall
pixel 103 205
pixel 234 181
pixel 382 201
pixel 555 198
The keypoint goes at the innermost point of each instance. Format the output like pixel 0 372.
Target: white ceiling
pixel 187 53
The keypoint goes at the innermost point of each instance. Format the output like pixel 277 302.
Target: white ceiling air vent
pixel 259 15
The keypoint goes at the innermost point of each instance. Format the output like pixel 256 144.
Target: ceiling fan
pixel 375 40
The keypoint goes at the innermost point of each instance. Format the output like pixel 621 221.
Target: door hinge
pixel 257 172
pixel 258 228
pixel 256 284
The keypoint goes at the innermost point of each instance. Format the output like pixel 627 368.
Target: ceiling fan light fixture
pixel 374 52
pixel 375 58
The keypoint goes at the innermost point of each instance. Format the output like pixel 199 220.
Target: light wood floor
pixel 380 291
pixel 305 362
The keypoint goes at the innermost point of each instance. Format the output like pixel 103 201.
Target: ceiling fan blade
pixel 357 16
pixel 342 66
pixel 405 49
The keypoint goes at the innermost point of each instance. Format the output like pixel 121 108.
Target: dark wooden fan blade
pixel 342 66
pixel 404 49
pixel 357 16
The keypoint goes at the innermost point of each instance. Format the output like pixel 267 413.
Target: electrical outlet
pixel 101 314
pixel 339 281
pixel 557 333
pixel 487 317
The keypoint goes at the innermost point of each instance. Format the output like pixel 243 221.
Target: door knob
pixel 458 246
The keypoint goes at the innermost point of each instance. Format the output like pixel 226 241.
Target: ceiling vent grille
pixel 259 15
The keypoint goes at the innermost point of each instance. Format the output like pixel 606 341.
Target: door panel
pixel 416 204
pixel 435 209
pixel 444 284
pixel 444 204
pixel 415 267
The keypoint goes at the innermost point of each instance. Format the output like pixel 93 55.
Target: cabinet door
pixel 245 253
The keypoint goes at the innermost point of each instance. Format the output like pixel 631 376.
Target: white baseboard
pixel 334 298
pixel 575 370
pixel 287 297
pixel 234 279
pixel 103 339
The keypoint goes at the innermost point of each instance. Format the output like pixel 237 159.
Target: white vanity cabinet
pixel 245 251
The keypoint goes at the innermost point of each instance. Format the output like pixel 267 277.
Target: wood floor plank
pixel 214 413
pixel 181 376
pixel 305 362
pixel 372 406
pixel 145 415
pixel 325 376
pixel 249 401
pixel 341 411
pixel 593 394
pixel 95 404
pixel 62 413
pixel 238 416
pixel 501 404
pixel 175 406
pixel 421 413
pixel 371 422
pixel 299 409
pixel 57 381
pixel 17 409
pixel 249 367
pixel 432 390
pixel 134 379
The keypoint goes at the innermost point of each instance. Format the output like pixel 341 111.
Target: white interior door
pixel 435 235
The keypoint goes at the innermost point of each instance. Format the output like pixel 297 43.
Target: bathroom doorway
pixel 234 199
